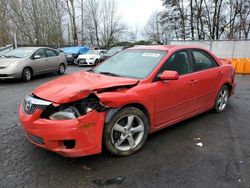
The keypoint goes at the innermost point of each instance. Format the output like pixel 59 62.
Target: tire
pixel 96 62
pixel 74 61
pixel 26 74
pixel 222 99
pixel 126 132
pixel 61 69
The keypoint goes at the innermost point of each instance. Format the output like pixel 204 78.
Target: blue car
pixel 72 53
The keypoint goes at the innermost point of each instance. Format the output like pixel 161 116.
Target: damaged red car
pixel 118 103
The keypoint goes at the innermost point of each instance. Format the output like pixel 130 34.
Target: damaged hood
pixel 78 85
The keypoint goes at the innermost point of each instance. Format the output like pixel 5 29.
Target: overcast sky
pixel 136 12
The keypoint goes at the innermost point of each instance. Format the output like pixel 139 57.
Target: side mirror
pixel 169 75
pixel 36 57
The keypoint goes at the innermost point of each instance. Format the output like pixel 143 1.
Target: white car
pixel 92 57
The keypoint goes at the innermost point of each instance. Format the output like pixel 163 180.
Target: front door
pixel 39 61
pixel 173 99
pixel 53 60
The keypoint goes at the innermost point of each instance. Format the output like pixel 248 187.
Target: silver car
pixel 26 62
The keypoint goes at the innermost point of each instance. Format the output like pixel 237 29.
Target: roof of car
pixel 164 47
pixel 31 48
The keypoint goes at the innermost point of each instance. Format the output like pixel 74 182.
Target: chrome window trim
pixel 37 101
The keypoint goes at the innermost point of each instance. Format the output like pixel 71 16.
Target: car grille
pixel 82 61
pixel 35 139
pixel 3 75
pixel 31 104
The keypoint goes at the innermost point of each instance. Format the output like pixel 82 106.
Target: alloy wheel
pixel 127 132
pixel 61 69
pixel 222 99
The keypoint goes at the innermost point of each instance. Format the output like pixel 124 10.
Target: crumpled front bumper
pixel 86 131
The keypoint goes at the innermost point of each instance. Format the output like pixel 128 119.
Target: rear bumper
pixel 84 133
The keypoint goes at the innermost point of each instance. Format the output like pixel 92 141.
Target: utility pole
pixel 82 20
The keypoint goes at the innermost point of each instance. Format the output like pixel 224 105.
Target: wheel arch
pixel 229 86
pixel 32 71
pixel 111 112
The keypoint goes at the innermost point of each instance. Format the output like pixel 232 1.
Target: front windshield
pixel 19 53
pixel 94 52
pixel 131 63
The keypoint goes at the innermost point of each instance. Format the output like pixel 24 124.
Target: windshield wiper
pixel 11 56
pixel 110 74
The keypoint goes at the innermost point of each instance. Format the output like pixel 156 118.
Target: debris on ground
pixel 102 182
pixel 199 144
pixel 197 139
pixel 85 168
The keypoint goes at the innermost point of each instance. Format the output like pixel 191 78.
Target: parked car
pixel 92 57
pixel 113 51
pixel 72 53
pixel 6 49
pixel 26 62
pixel 119 102
pixel 60 50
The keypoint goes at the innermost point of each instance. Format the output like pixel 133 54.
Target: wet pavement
pixel 172 157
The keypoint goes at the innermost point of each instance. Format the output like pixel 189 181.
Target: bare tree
pixel 93 18
pixel 5 37
pixel 244 25
pixel 72 15
pixel 112 27
pixel 153 30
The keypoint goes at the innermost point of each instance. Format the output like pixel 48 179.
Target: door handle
pixel 191 82
pixel 220 73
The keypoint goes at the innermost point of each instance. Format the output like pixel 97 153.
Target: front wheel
pixel 96 62
pixel 127 132
pixel 222 99
pixel 26 74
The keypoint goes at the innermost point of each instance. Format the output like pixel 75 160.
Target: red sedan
pixel 118 103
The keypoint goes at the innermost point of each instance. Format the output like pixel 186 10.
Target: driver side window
pixel 40 52
pixel 178 62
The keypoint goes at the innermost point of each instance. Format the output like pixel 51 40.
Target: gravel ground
pixel 170 157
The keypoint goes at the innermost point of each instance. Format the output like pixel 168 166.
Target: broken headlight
pixel 73 110
pixel 69 113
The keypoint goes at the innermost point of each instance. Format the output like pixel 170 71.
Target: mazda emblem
pixel 28 106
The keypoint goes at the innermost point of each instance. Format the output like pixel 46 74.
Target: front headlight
pixel 13 64
pixel 73 110
pixel 69 113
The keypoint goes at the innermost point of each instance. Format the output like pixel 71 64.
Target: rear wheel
pixel 26 74
pixel 61 69
pixel 127 132
pixel 222 99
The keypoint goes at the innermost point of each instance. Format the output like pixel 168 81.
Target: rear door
pixel 173 98
pixel 207 76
